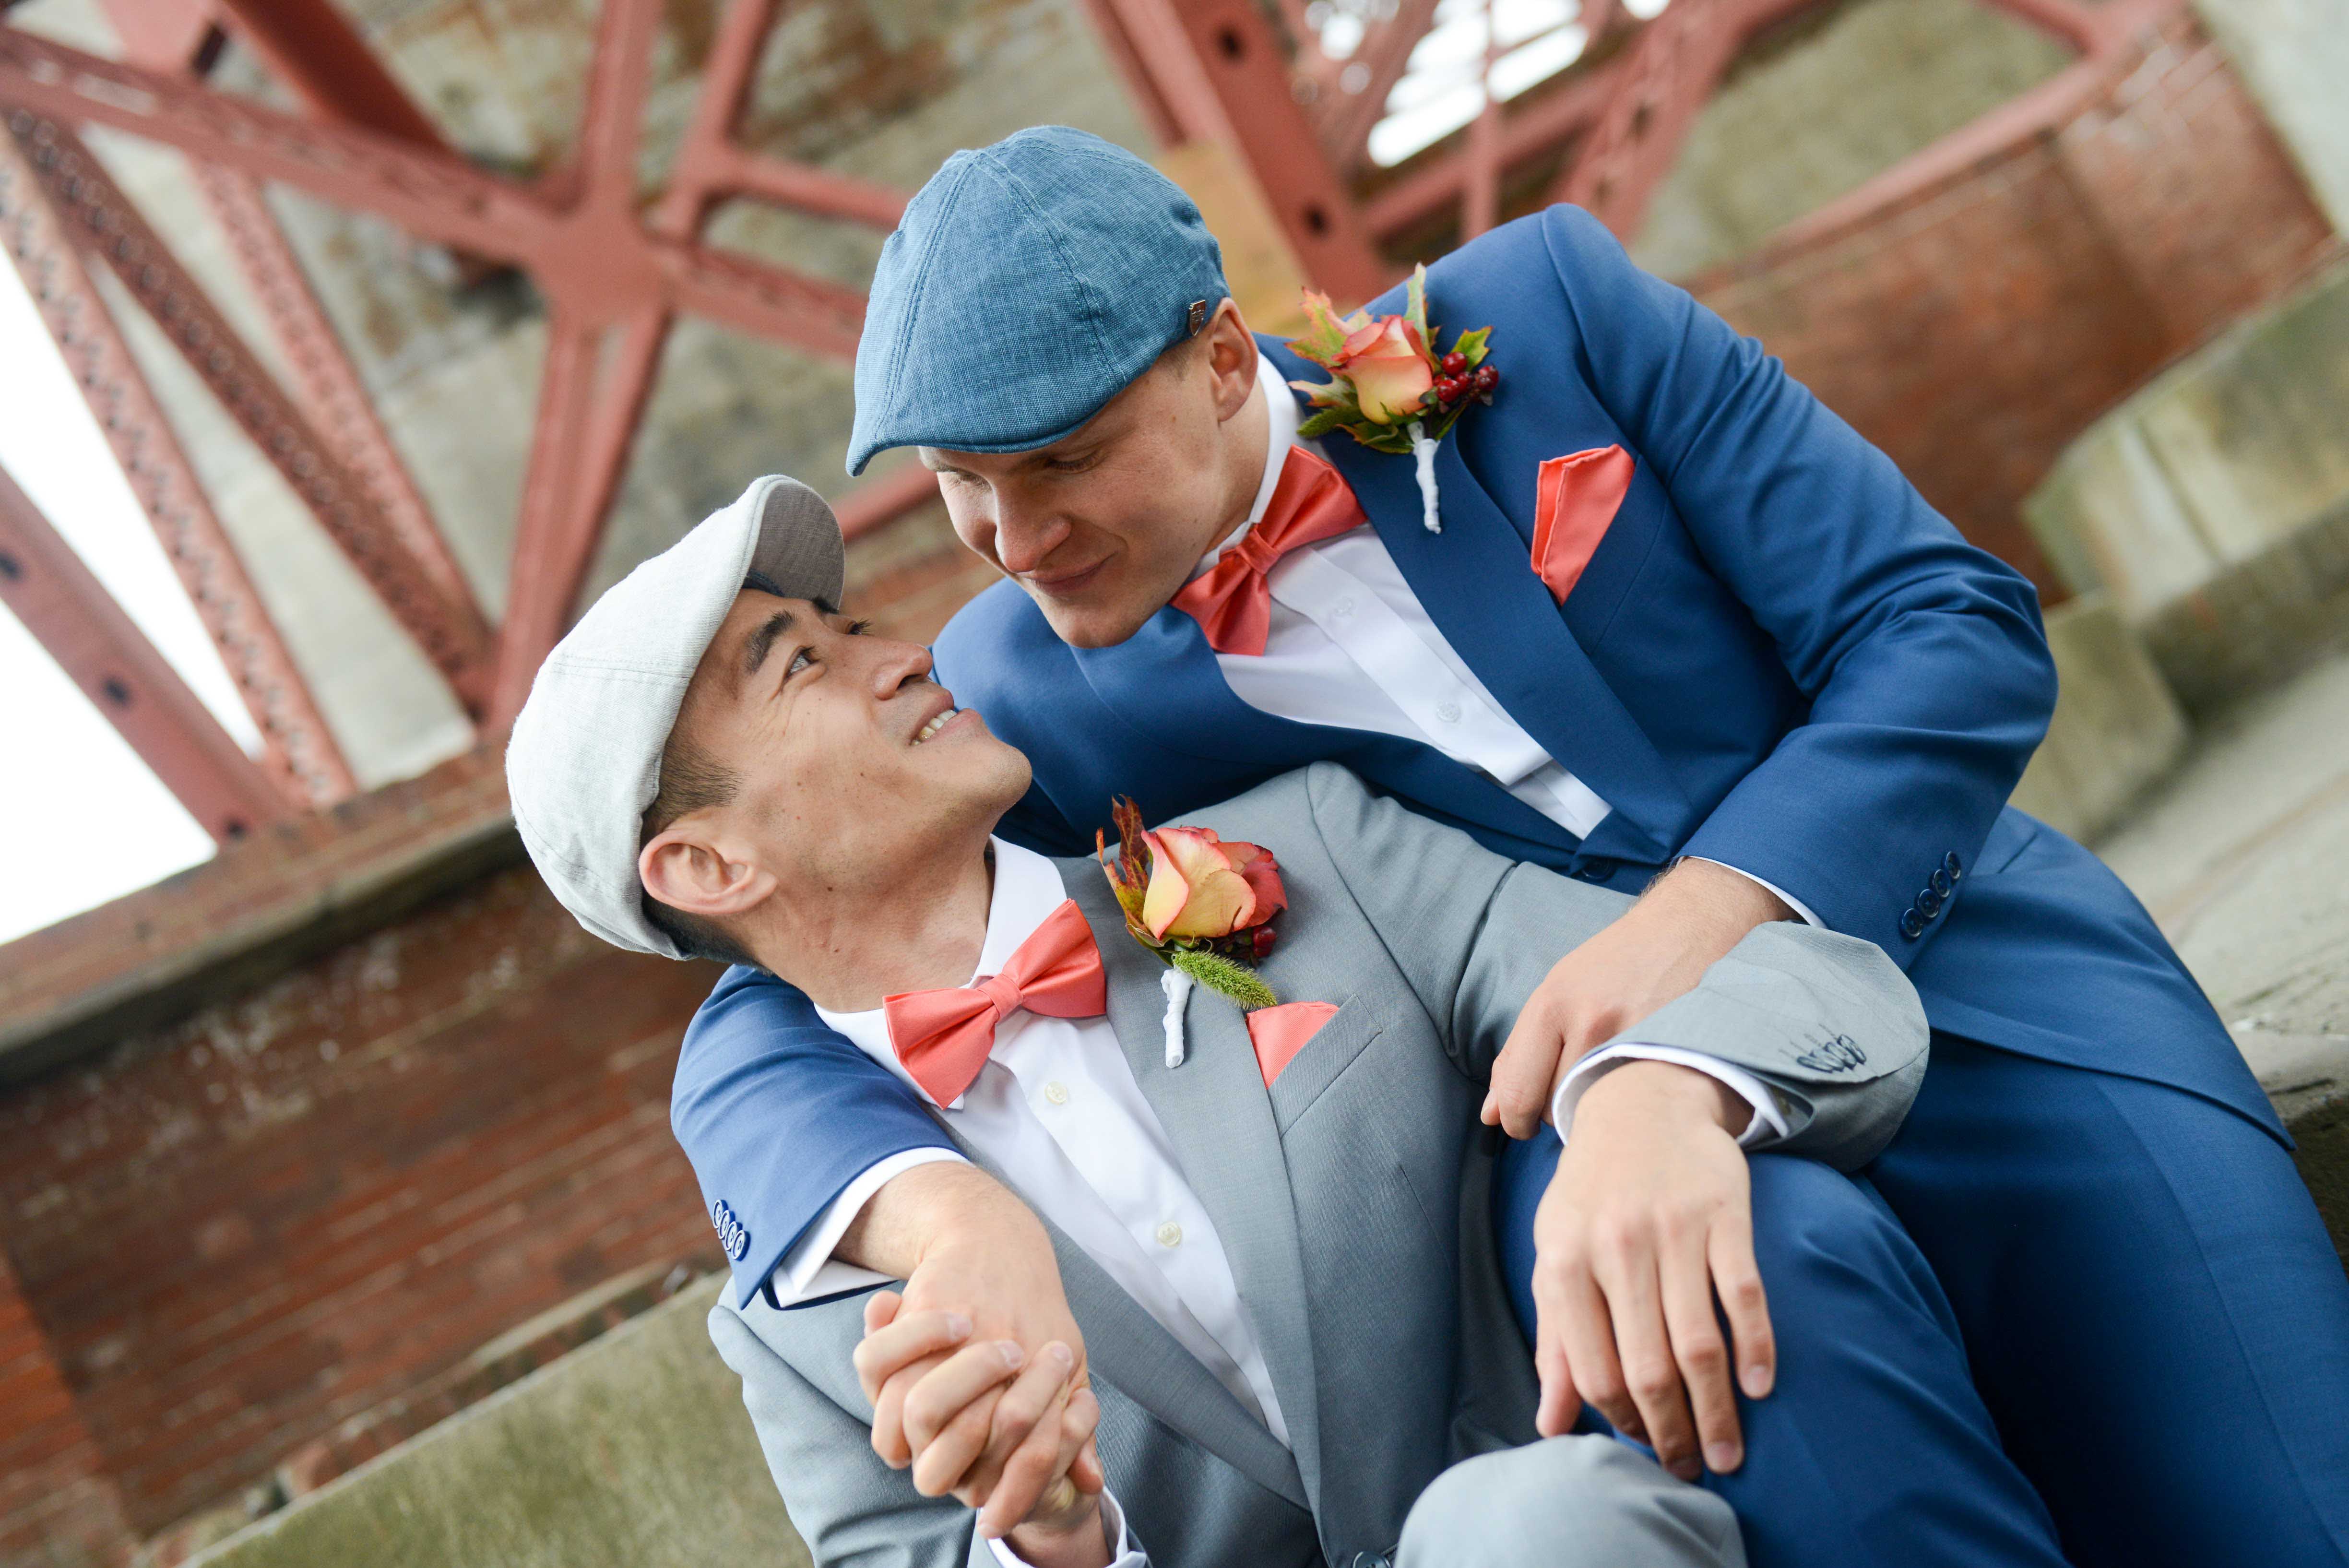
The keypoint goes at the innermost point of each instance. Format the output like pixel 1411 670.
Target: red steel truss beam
pixel 111 228
pixel 885 499
pixel 431 195
pixel 298 750
pixel 1385 55
pixel 1557 114
pixel 309 47
pixel 1215 70
pixel 324 376
pixel 73 616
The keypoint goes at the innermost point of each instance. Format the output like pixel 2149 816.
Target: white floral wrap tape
pixel 1422 452
pixel 1177 986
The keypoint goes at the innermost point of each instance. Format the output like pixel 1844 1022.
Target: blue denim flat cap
pixel 1029 283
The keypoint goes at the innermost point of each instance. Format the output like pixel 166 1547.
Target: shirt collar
pixel 1282 419
pixel 1028 887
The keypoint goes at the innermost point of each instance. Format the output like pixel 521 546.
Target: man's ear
pixel 1231 359
pixel 689 868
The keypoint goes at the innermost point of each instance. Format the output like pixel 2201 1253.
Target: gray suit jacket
pixel 1349 1195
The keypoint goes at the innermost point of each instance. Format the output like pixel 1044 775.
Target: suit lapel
pixel 1219 1117
pixel 1130 1352
pixel 1476 581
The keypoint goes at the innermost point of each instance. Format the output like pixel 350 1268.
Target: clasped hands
pixel 977 1375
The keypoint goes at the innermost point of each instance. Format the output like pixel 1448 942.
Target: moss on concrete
pixel 633 1452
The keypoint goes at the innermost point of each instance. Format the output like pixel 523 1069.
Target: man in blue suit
pixel 1682 632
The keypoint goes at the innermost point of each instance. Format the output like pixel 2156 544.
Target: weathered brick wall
pixel 56 1507
pixel 240 1230
pixel 1977 326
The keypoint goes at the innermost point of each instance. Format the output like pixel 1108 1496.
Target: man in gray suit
pixel 1275 1326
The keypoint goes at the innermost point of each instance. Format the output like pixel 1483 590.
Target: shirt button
pixel 1343 608
pixel 1448 711
pixel 1057 1093
pixel 1170 1234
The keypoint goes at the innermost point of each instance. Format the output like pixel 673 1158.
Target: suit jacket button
pixel 1929 902
pixel 1372 1559
pixel 1939 881
pixel 1953 866
pixel 1912 924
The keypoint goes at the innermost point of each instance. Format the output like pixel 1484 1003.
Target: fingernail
pixel 1756 1381
pixel 1722 1458
pixel 1059 1354
pixel 957 1324
pixel 1012 1354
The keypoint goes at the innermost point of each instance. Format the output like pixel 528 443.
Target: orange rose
pixel 1202 887
pixel 1390 371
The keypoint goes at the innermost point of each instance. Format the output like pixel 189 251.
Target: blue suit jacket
pixel 1778 656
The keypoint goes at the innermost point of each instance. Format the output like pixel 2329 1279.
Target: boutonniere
pixel 1203 907
pixel 1388 388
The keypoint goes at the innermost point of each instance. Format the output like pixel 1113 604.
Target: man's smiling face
pixel 1104 525
pixel 848 762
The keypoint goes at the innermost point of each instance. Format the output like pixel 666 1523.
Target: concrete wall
pixel 2213 505
pixel 2117 731
pixel 635 1452
pixel 2294 56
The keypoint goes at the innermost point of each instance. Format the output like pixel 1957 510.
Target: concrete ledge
pixel 250 913
pixel 632 1452
pixel 2212 506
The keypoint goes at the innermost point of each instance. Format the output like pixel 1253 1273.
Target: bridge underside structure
pixel 617 263
pixel 286 1141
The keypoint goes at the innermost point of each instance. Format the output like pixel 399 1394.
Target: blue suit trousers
pixel 1874 1450
pixel 2154 1316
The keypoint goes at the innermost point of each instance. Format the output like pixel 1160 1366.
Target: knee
pixel 1805 1214
pixel 1566 1502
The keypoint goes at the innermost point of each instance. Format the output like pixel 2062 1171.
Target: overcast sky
pixel 85 821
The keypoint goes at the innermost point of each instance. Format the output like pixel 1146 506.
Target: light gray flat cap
pixel 584 762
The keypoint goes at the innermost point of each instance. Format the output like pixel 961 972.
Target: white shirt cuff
pixel 1789 899
pixel 1127 1553
pixel 808 1272
pixel 1767 1122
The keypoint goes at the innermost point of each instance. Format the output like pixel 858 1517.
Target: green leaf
pixel 1319 424
pixel 1472 344
pixel 1332 394
pixel 1222 976
pixel 1415 312
pixel 1324 334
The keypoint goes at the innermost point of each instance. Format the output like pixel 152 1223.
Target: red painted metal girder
pixel 1663 84
pixel 1215 71
pixel 322 373
pixel 297 748
pixel 68 610
pixel 885 499
pixel 312 48
pixel 1384 54
pixel 431 195
pixel 111 227
pixel 589 402
pixel 1557 115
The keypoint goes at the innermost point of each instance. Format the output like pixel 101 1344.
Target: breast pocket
pixel 1318 1062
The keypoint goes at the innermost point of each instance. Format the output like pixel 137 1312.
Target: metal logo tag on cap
pixel 1197 316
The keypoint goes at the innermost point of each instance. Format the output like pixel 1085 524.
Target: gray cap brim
pixel 584 762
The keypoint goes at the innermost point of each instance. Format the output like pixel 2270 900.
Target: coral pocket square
pixel 1279 1034
pixel 1575 498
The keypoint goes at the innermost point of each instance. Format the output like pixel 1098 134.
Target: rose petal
pixel 1214 899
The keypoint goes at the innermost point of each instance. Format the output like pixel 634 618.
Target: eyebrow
pixel 763 641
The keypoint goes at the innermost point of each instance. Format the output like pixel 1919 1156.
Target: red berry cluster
pixel 1458 382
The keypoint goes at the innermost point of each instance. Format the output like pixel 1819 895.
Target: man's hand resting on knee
pixel 1648 1221
pixel 979 1274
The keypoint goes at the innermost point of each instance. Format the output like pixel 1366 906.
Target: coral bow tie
pixel 1233 603
pixel 942 1037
